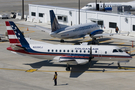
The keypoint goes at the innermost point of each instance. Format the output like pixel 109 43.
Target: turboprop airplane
pixel 108 5
pixel 71 54
pixel 71 32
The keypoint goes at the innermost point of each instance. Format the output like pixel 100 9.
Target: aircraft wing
pixel 43 28
pixel 107 34
pixel 123 36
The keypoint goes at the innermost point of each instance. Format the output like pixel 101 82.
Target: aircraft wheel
pixel 61 40
pixel 67 68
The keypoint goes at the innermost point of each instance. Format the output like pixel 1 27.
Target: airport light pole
pixel 96 4
pixel 22 9
pixel 79 12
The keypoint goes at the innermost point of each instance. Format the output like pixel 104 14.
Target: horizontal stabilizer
pixel 43 29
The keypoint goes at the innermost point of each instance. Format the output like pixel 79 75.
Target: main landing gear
pixel 68 68
pixel 61 40
pixel 119 65
pixel 95 41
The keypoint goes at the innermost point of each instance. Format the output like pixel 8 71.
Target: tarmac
pixel 19 72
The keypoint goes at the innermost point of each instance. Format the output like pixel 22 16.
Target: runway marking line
pixel 105 41
pixel 2 42
pixel 29 32
pixel 31 70
pixel 104 71
pixel 126 68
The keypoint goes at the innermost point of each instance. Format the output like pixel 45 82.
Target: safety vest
pixel 55 76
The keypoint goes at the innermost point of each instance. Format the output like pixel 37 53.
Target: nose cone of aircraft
pixel 129 57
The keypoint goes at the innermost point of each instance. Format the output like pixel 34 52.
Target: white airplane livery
pixel 70 54
pixel 71 32
pixel 108 5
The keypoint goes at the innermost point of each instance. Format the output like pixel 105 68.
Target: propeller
pixel 90 54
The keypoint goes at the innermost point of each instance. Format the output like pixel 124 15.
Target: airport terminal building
pixel 69 16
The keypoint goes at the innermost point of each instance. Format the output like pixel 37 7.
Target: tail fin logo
pixel 15 35
pixel 11 34
pixel 54 23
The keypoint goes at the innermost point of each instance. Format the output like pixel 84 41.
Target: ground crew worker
pixel 55 78
pixel 116 29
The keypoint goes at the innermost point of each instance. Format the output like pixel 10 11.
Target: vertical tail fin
pixel 15 35
pixel 54 23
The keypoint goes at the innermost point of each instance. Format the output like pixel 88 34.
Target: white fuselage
pixel 79 53
pixel 92 6
pixel 75 31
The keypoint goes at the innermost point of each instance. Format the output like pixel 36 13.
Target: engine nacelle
pixel 96 32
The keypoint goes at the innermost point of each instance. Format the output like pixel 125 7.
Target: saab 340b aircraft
pixel 76 31
pixel 109 5
pixel 71 54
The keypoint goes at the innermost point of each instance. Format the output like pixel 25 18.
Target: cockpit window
pixel 115 50
pixel 120 50
pixel 88 5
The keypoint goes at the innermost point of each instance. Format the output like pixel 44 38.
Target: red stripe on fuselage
pixel 64 55
pixel 10 32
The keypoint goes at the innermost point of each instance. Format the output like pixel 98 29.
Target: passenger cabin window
pixel 76 51
pixel 59 50
pixel 105 52
pixel 48 50
pixel 84 51
pixel 95 51
pixel 72 51
pixel 52 50
pixel 115 50
pixel 67 50
pixel 63 50
pixel 55 50
pixel 80 51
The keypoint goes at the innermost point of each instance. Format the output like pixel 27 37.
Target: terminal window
pixel 33 14
pixel 112 25
pixel 62 18
pixel 59 17
pixel 133 27
pixel 65 19
pixel 41 14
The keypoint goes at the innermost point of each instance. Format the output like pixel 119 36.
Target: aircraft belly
pixel 109 59
pixel 72 62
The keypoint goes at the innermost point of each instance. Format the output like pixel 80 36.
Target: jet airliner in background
pixel 71 32
pixel 108 5
pixel 70 54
